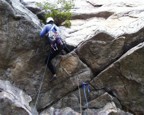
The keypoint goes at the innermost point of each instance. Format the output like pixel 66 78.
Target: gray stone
pixel 101 101
pixel 33 7
pixel 125 80
pixel 13 100
pixel 19 42
pixel 101 50
pixel 107 31
pixel 122 18
pixel 65 111
pixel 7 108
pixel 108 109
pixel 71 73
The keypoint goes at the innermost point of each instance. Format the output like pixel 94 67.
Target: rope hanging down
pixel 41 82
pixel 85 87
pixel 79 94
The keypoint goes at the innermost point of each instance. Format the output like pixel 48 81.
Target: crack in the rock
pixel 57 100
pixel 94 5
pixel 109 92
pixel 126 48
pixel 54 102
pixel 121 77
pixel 102 14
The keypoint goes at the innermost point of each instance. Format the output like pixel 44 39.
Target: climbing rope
pixel 41 82
pixel 79 95
pixel 86 86
pixel 78 89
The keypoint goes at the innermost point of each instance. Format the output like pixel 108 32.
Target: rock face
pixel 65 111
pixel 13 100
pixel 15 25
pixel 32 6
pixel 18 38
pixel 71 73
pixel 109 40
pixel 124 18
pixel 108 109
pixel 108 57
pixel 101 50
pixel 124 79
pixel 22 59
pixel 8 108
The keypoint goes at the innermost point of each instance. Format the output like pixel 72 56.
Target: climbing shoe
pixel 53 78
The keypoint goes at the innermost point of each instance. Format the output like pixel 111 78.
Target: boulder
pixel 113 17
pixel 22 58
pixel 34 8
pixel 65 111
pixel 71 73
pixel 19 39
pixel 124 80
pixel 108 109
pixel 101 101
pixel 8 108
pixel 19 30
pixel 13 100
pixel 103 49
pixel 100 51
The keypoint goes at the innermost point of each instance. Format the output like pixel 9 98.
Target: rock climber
pixel 51 31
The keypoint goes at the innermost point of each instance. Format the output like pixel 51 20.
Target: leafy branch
pixel 60 11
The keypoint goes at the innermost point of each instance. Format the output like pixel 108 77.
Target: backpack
pixel 52 35
pixel 54 38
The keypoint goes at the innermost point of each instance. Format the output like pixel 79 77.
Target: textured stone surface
pixel 19 41
pixel 107 31
pixel 32 6
pixel 19 31
pixel 13 100
pixel 124 79
pixel 113 17
pixel 108 109
pixel 101 50
pixel 19 34
pixel 71 73
pixel 65 111
pixel 7 108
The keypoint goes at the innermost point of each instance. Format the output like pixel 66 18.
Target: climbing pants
pixel 52 54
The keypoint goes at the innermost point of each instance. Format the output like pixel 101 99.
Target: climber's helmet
pixel 49 19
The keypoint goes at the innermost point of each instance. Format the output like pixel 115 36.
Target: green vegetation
pixel 60 11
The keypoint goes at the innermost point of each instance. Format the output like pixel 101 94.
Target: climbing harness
pixel 86 87
pixel 52 35
pixel 54 46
